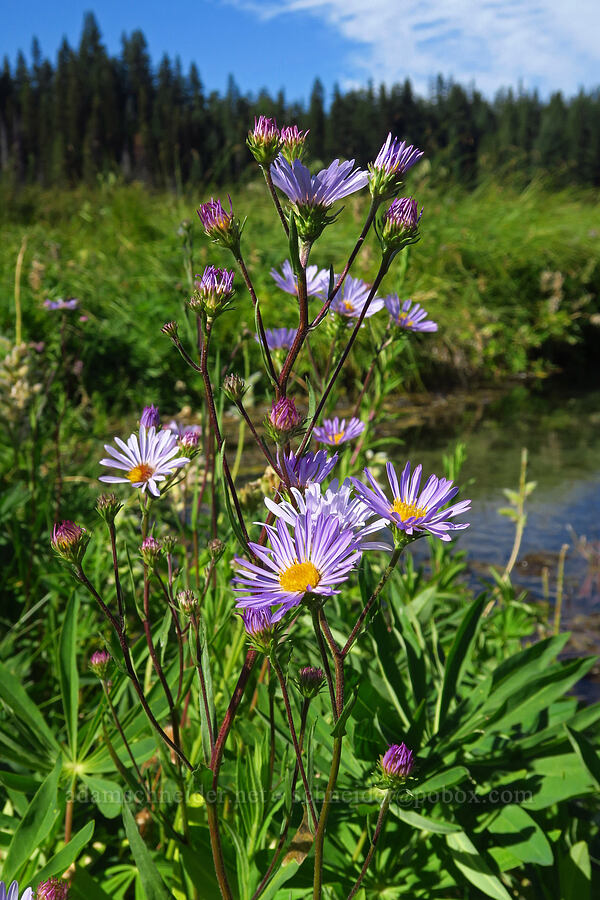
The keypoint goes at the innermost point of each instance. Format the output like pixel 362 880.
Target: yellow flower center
pixel 143 472
pixel 299 576
pixel 349 305
pixel 408 510
pixel 338 436
pixel 404 320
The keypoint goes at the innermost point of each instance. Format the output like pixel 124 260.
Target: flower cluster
pixel 335 431
pixel 72 303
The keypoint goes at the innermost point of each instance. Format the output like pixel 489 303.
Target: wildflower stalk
pixel 320 835
pixel 378 831
pixel 266 170
pixel 374 206
pixel 368 605
pixel 202 680
pixel 301 334
pixel 325 660
pixel 378 278
pixel 119 728
pixel 290 718
pixel 210 399
pixel 261 328
pixel 130 669
pixel 286 827
pixel 178 631
pixel 118 589
pixel 215 765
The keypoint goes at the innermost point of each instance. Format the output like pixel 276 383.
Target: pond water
pixel 562 435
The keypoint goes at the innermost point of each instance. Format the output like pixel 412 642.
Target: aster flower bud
pixel 401 224
pixel 234 387
pixel 293 142
pixel 53 889
pixel 264 140
pixel 214 292
pixel 310 681
pixel 100 663
pixel 70 541
pixel 216 548
pixel 187 602
pixel 169 543
pixel 107 507
pixel 396 764
pixel 392 162
pixel 170 329
pixel 189 440
pixel 261 630
pixel 150 551
pixel 150 417
pixel 221 226
pixel 284 421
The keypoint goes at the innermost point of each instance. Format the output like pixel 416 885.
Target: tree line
pixel 93 114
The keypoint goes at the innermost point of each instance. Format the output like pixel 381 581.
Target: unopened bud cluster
pixel 266 141
pixel 262 631
pixel 52 889
pixel 187 602
pixel 234 388
pixel 396 764
pixel 401 224
pixel 107 507
pixel 213 292
pixel 151 551
pixel 391 164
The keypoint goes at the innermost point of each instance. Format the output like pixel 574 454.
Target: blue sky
pixel 546 44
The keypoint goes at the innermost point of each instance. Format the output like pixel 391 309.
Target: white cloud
pixel 542 43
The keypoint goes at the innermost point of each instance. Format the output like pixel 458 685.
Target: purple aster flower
pixel 351 299
pixel 317 280
pixel 147 459
pixel 397 762
pixel 213 291
pixel 293 142
pixel 264 140
pixel 219 225
pixel 324 189
pixel 410 316
pixel 312 196
pixel 340 502
pixel 310 468
pixel 313 560
pixel 392 162
pixel 335 431
pixel 401 223
pixel 411 512
pixel 150 416
pixel 13 892
pixel 278 338
pixel 53 889
pixel 180 431
pixel 73 303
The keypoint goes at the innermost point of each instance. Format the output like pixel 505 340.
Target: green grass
pixel 478 270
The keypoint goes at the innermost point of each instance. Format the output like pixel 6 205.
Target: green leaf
pixel 107 795
pixel 339 729
pixel 586 753
pixel 521 836
pixel 24 708
pixel 34 826
pixel 68 673
pixel 152 883
pixel 449 777
pixel 576 873
pixel 436 826
pixel 457 657
pixel 85 888
pixel 205 665
pixel 475 869
pixel 69 853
